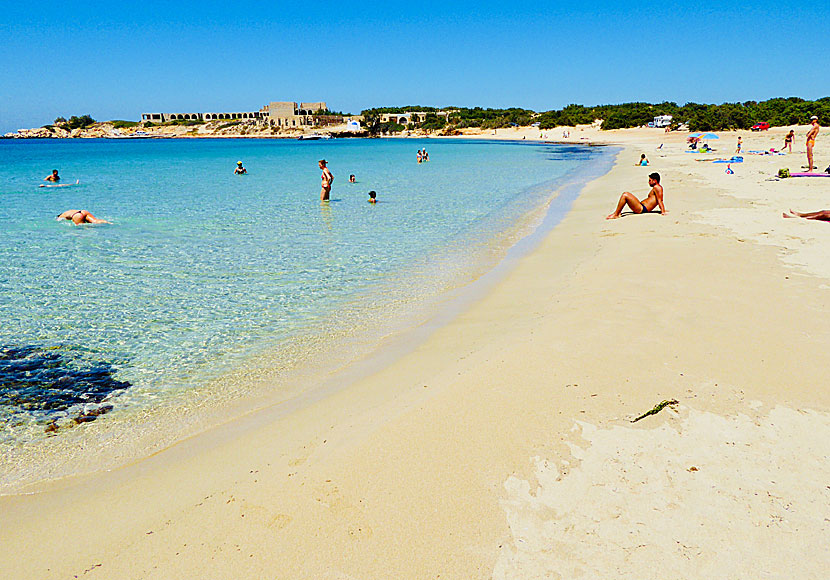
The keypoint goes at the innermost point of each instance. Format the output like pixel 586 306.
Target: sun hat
pixel 239 163
pixel 813 117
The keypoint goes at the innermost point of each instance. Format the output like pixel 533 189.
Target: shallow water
pixel 202 269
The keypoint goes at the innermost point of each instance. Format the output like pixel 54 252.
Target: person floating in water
pixel 327 179
pixel 352 179
pixel 239 169
pixel 80 216
pixel 823 215
pixel 54 177
pixel 373 196
pixel 653 200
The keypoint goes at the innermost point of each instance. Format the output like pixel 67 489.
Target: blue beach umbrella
pixel 706 136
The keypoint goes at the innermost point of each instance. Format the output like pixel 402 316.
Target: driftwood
pixel 657 408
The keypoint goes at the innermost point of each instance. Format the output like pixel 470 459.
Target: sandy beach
pixel 500 444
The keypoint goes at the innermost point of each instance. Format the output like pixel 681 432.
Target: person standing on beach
pixel 788 141
pixel 327 178
pixel 654 199
pixel 740 143
pixel 54 177
pixel 811 141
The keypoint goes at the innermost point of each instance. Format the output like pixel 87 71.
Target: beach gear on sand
pixel 809 174
pixel 735 159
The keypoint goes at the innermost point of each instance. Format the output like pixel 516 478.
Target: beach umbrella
pixel 707 136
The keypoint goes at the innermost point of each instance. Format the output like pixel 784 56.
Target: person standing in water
pixel 811 141
pixel 327 179
pixel 239 169
pixel 54 177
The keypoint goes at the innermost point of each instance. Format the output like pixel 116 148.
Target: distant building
pixel 283 114
pixel 411 117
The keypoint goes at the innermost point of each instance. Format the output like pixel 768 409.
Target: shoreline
pixel 274 378
pixel 598 323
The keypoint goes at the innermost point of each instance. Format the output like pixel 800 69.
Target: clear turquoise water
pixel 202 269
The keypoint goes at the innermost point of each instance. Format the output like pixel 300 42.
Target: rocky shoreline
pixel 221 128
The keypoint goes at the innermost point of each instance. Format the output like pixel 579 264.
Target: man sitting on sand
pixel 54 177
pixel 823 215
pixel 80 216
pixel 654 199
pixel 811 141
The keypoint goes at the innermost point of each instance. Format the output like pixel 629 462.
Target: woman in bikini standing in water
pixel 327 178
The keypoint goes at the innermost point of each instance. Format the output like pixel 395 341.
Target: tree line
pixel 696 116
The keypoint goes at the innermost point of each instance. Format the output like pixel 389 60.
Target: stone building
pixel 282 114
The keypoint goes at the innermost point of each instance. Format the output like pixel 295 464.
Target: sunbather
pixel 823 215
pixel 653 200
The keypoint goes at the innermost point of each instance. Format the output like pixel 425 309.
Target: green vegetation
pixel 324 112
pixel 124 124
pixel 180 122
pixel 81 122
pixel 226 125
pixel 699 117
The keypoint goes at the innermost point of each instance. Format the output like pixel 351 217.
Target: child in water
pixel 373 197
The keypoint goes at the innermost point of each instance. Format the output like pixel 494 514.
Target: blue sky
pixel 118 60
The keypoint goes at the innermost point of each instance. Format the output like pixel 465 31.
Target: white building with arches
pixel 283 114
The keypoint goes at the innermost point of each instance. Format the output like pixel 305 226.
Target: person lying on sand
pixel 80 216
pixel 823 215
pixel 654 199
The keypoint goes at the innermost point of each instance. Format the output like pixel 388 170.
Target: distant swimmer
pixel 54 177
pixel 239 169
pixel 811 141
pixel 80 216
pixel 654 199
pixel 327 179
pixel 373 196
pixel 352 179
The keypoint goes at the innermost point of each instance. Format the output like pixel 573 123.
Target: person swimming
pixel 373 196
pixel 80 216
pixel 54 177
pixel 352 179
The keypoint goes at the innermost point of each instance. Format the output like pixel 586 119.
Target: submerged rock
pixel 49 381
